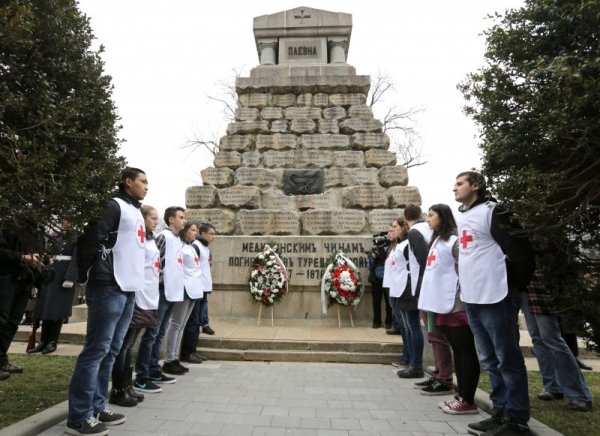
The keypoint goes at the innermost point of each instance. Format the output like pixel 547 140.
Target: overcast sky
pixel 165 57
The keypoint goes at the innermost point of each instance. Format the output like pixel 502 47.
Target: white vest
pixel 395 275
pixel 481 264
pixel 147 298
pixel 192 272
pixel 205 265
pixel 128 252
pixel 423 229
pixel 173 269
pixel 440 281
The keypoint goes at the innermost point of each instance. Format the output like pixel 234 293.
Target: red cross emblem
pixel 393 263
pixel 141 233
pixel 180 260
pixel 465 239
pixel 430 258
pixel 196 260
pixel 157 265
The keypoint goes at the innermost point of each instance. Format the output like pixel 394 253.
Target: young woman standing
pixel 440 295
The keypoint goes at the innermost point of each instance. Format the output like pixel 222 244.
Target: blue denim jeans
pixel 559 369
pixel 109 314
pixel 414 337
pixel 149 352
pixel 496 331
pixel 398 324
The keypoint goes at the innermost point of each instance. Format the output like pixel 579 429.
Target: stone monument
pixel 304 164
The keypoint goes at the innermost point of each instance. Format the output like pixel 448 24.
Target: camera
pixel 380 242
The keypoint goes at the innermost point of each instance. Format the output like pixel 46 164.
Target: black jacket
pixel 11 251
pixel 510 236
pixel 94 255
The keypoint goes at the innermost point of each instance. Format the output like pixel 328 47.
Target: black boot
pixel 119 394
pixel 44 337
pixel 130 390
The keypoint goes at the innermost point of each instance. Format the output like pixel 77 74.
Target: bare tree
pixel 397 123
pixel 227 97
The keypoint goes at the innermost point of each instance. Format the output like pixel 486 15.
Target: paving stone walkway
pixel 254 398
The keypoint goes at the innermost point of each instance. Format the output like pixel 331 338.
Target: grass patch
pixel 553 413
pixel 44 383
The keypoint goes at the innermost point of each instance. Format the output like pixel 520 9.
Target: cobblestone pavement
pixel 259 398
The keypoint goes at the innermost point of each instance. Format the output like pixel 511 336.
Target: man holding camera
pixel 376 263
pixel 16 281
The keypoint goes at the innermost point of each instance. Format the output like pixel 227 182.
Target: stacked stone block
pixel 287 128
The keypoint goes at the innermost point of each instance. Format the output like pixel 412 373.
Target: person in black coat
pixel 55 302
pixel 17 266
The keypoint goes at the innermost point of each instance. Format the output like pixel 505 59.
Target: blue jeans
pixel 559 369
pixel 149 352
pixel 414 337
pixel 109 314
pixel 496 333
pixel 398 324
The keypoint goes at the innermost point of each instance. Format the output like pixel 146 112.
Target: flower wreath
pixel 341 283
pixel 268 281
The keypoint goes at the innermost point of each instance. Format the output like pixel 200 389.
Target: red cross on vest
pixel 141 233
pixel 465 239
pixel 157 265
pixel 430 259
pixel 180 260
pixel 196 260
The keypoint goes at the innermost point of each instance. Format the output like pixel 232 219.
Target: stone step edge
pixel 300 345
pixel 297 356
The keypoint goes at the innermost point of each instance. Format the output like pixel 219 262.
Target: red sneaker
pixel 460 407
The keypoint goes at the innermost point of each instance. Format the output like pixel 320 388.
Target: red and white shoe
pixel 459 407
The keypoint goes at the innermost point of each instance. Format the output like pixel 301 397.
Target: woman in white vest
pixel 440 297
pixel 191 291
pixel 144 315
pixel 396 278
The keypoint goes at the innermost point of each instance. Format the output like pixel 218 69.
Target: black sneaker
pixel 411 373
pixel 4 375
pixel 201 356
pixel 88 426
pixel 481 427
pixel 401 362
pixel 146 385
pixel 159 378
pixel 183 368
pixel 509 427
pixel 579 406
pixel 549 396
pixel 173 368
pixel 108 417
pixel 425 383
pixel 437 388
pixel 192 358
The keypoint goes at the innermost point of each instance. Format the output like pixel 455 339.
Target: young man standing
pixel 170 279
pixel 207 234
pixel 495 263
pixel 419 236
pixel 111 254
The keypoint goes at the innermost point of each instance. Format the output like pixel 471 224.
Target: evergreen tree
pixel 58 124
pixel 537 101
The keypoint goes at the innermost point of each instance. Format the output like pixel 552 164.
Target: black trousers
pixel 466 362
pixel 380 292
pixel 13 301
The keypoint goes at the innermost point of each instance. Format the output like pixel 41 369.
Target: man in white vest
pixel 170 281
pixel 419 237
pixel 495 263
pixel 111 259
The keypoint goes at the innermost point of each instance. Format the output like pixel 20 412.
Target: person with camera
pixel 111 255
pixel 17 267
pixel 376 264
